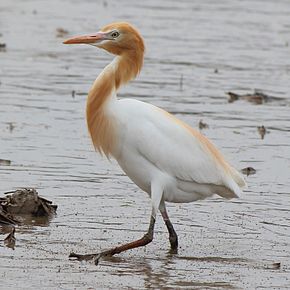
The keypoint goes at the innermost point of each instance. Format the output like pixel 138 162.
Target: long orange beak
pixel 92 38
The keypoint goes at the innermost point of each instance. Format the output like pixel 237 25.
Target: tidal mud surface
pixel 196 52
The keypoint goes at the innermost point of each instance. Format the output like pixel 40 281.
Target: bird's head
pixel 117 38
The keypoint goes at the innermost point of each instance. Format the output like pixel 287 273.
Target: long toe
pixel 86 257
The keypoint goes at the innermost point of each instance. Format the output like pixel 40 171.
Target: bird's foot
pixel 173 251
pixel 146 239
pixel 88 257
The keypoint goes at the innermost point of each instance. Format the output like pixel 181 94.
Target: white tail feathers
pixel 234 183
pixel 238 178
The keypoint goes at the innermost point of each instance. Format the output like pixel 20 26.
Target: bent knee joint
pixel 148 238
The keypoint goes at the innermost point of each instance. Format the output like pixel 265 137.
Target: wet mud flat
pixel 196 53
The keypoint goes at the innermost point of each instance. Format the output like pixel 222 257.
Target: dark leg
pixel 146 239
pixel 173 239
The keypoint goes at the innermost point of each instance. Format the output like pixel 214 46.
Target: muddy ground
pixel 196 52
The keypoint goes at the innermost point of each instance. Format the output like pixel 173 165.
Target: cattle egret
pixel 162 155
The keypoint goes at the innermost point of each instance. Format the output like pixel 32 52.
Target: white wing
pixel 176 148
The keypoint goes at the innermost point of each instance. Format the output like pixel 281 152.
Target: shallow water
pixel 223 244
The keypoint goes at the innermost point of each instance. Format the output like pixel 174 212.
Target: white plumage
pixel 155 146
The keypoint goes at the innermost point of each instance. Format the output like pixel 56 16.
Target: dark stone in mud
pixel 5 162
pixel 202 125
pixel 23 202
pixel 248 171
pixel 2 47
pixel 276 266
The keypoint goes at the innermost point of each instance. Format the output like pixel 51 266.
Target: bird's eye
pixel 115 34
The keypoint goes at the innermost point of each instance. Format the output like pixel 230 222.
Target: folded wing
pixel 184 153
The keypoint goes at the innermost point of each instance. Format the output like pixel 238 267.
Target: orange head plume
pixel 121 39
pixel 117 38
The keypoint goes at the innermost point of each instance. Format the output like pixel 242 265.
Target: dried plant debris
pixel 5 162
pixel 202 125
pixel 256 97
pixel 6 218
pixel 248 171
pixel 10 240
pixel 23 202
pixel 262 131
pixel 61 32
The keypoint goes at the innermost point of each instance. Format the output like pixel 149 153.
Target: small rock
pixel 248 171
pixel 5 162
pixel 276 266
pixel 262 131
pixel 2 47
pixel 202 125
pixel 233 97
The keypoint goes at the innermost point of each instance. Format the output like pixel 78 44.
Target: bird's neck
pixel 101 123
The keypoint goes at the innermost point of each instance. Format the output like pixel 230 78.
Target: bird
pixel 164 156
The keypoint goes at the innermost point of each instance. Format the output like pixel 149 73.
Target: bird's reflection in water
pixel 162 272
pixel 154 272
